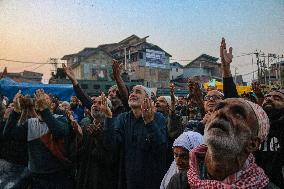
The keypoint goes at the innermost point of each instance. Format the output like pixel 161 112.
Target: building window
pixel 96 86
pixel 176 69
pixel 140 55
pixel 84 86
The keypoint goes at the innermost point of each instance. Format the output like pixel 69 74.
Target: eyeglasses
pixel 212 97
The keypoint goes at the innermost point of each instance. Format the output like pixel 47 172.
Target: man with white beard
pixel 141 137
pixel 96 163
pixel 233 132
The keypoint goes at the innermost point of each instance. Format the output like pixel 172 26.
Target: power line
pixel 38 67
pixel 246 54
pixel 187 60
pixel 249 73
pixel 182 60
pixel 25 62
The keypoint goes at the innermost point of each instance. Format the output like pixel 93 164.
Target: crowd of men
pixel 131 139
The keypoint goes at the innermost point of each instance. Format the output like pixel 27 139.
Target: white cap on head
pixel 65 103
pixel 262 119
pixel 147 90
pixel 188 140
pixel 109 104
pixel 168 99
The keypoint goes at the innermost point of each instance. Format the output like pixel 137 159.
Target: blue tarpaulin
pixel 9 88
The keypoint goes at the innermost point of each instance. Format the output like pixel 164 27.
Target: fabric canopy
pixel 9 88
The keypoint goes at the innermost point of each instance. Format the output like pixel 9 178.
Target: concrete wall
pixel 190 72
pixel 99 61
pixel 175 72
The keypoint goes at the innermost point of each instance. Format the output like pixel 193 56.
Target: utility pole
pixel 252 68
pixel 236 75
pixel 125 61
pixel 268 67
pixel 264 70
pixel 278 67
pixel 258 67
pixel 54 61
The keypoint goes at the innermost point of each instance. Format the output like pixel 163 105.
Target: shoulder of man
pixel 159 115
pixel 60 117
pixel 179 181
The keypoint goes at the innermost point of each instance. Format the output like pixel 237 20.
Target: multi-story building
pixel 26 76
pixel 90 64
pixel 143 61
pixel 203 68
pixel 276 73
pixel 176 70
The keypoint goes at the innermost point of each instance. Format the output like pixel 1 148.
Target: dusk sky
pixel 35 30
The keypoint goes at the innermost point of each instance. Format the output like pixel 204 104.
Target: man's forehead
pixel 276 93
pixel 214 92
pixel 233 101
pixel 97 99
pixel 112 90
pixel 160 98
pixel 138 88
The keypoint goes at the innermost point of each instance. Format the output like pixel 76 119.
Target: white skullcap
pixel 65 103
pixel 147 90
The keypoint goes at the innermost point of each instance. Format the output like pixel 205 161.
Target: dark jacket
pixel 43 159
pixel 229 88
pixel 270 157
pixel 142 150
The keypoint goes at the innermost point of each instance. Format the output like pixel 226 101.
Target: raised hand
pixel 70 74
pixel 173 99
pixel 41 102
pixel 94 128
pixel 172 89
pixel 104 107
pixel 190 84
pixel 206 119
pixel 116 68
pixel 196 94
pixel 193 87
pixel 148 110
pixel 76 127
pixel 226 57
pixel 16 102
pixel 256 87
pixel 8 112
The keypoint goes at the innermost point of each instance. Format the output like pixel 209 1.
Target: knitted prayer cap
pixel 188 140
pixel 262 119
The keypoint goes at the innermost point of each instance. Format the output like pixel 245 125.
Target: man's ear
pixel 253 144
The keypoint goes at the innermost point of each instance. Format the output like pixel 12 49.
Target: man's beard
pixel 273 113
pixel 116 102
pixel 134 103
pixel 161 110
pixel 224 141
pixel 96 114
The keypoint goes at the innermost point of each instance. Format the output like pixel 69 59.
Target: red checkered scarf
pixel 250 176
